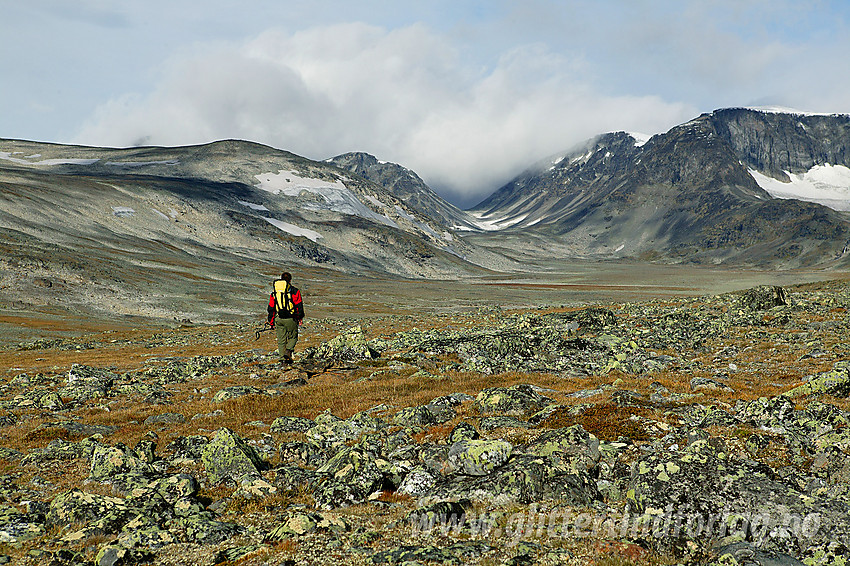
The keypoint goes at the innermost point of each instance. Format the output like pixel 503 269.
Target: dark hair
pixel 286 276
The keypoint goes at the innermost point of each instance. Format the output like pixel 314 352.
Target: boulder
pixel 229 457
pixel 478 457
pixel 16 527
pixel 516 400
pixel 108 464
pixel 835 382
pixel 351 345
pixel 291 424
pixel 572 446
pixel 763 297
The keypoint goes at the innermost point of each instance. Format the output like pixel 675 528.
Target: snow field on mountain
pixel 828 185
pixel 337 197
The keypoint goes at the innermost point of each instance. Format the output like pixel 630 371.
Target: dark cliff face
pixel 773 142
pixel 688 195
pixel 405 185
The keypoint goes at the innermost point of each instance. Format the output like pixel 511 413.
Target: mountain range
pixel 147 230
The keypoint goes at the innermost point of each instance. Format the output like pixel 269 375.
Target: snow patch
pixel 123 211
pixel 26 161
pixel 160 214
pixel 828 185
pixel 252 206
pixel 141 163
pixel 483 223
pixel 336 197
pixel 424 227
pixel 786 110
pixel 293 229
pixel 639 138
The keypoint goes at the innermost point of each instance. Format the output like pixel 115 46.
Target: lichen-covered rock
pixel 291 424
pixel 76 506
pixel 727 496
pixel 108 463
pixel 17 527
pixel 229 457
pixel 763 297
pixel 414 416
pixel 523 479
pixel 517 400
pixel 573 446
pixel 478 457
pixel 351 345
pixel 301 524
pixel 234 392
pixel 835 382
pixel 173 488
pixel 330 431
pixel 458 553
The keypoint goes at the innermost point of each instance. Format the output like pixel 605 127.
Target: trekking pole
pixel 265 328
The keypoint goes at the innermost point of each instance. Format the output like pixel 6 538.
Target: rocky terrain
pixel 155 232
pixel 707 429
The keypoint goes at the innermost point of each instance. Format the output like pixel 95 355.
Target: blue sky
pixel 466 93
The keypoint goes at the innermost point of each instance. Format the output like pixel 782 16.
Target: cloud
pixel 406 95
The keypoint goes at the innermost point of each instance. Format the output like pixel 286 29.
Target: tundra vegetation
pixel 707 429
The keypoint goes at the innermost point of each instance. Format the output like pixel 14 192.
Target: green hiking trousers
pixel 287 335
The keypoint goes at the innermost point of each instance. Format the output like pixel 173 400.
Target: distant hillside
pixel 142 230
pixel 698 193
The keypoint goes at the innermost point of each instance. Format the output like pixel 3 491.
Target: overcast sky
pixel 467 93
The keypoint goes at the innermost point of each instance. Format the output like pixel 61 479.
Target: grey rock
pixel 291 424
pixel 516 400
pixel 478 457
pixel 229 457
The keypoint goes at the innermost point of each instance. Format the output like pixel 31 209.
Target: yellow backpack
pixel 283 298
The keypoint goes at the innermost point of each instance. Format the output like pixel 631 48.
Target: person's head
pixel 286 276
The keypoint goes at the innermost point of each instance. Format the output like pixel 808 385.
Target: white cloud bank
pixel 404 95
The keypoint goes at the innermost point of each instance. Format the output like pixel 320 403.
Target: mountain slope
pixel 405 185
pixel 152 231
pixel 687 195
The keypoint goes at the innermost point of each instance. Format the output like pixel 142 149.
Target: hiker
pixel 286 307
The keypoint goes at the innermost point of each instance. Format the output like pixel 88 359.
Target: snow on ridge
pixel 786 110
pixel 828 185
pixel 639 138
